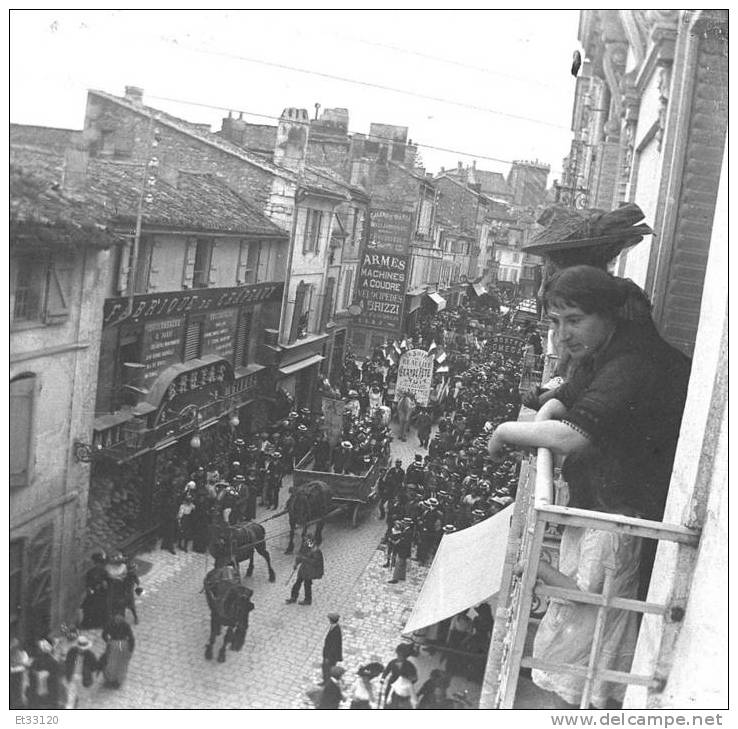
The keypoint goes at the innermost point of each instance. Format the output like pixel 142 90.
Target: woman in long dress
pixel 120 642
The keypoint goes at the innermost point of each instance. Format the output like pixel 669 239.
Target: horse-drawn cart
pixel 349 491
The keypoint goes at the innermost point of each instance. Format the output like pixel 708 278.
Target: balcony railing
pixel 534 529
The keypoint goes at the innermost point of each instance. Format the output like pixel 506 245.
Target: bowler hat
pixel 333 617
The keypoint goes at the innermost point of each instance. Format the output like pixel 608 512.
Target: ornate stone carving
pixel 664 86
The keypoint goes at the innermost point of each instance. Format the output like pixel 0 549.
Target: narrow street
pixel 280 661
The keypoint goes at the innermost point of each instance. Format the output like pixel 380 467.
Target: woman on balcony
pixel 624 403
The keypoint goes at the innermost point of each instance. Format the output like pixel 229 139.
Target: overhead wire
pixel 370 136
pixel 360 82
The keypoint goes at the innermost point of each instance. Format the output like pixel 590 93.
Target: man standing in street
pixel 423 424
pixel 332 646
pixel 309 565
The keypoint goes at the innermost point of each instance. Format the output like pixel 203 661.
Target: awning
pixel 467 570
pixel 438 300
pixel 479 289
pixel 301 365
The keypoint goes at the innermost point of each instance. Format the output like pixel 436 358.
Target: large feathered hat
pixel 567 229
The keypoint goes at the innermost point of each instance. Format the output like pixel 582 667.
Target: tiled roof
pixel 40 211
pixel 195 130
pixel 199 202
pixel 47 137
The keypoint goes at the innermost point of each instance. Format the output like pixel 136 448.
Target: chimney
pixel 74 173
pixel 290 149
pixel 135 95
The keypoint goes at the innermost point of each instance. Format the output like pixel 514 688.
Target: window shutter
pixel 327 303
pixel 263 263
pixel 22 392
pixel 213 271
pixel 124 269
pixel 318 230
pixel 243 253
pixel 193 340
pixel 298 309
pixel 154 280
pixel 307 220
pixel 59 291
pixel 189 264
pixel 241 351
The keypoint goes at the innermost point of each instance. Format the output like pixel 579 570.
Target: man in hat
pixel 44 678
pixel 399 665
pixel 322 451
pixel 253 488
pixel 332 646
pixel 395 478
pixel 423 424
pixel 342 457
pixel 79 665
pixel 273 474
pixel 430 530
pixel 310 566
pixel 415 475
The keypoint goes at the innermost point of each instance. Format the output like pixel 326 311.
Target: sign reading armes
pixel 381 290
pixel 415 376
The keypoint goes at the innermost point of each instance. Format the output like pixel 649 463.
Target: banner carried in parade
pixel 381 290
pixel 415 375
pixel 507 344
pixel 333 413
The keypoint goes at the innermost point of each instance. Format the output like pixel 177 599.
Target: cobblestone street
pixel 280 661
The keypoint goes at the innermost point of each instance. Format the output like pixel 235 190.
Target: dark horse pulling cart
pixel 348 491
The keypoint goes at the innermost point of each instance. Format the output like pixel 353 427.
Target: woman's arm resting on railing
pixel 552 410
pixel 553 434
pixel 549 575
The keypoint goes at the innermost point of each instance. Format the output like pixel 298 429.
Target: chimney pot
pixel 134 94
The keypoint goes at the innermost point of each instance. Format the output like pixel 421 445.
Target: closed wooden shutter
pixel 213 271
pixel 154 277
pixel 59 291
pixel 241 350
pixel 193 338
pixel 124 268
pixel 325 317
pixel 22 392
pixel 189 264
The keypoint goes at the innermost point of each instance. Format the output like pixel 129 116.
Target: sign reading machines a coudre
pixel 381 289
pixel 415 376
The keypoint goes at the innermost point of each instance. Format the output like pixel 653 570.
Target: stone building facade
pixel 59 264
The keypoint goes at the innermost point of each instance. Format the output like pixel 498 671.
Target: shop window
pixel 193 340
pixel 22 395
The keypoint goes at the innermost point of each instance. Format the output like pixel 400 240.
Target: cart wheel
pixel 355 516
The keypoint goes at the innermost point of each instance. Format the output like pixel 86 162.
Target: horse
pixel 308 502
pixel 235 543
pixel 229 601
pixel 405 407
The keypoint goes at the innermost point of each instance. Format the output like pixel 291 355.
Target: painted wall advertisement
pixel 415 375
pixel 381 290
pixel 390 230
pixel 219 333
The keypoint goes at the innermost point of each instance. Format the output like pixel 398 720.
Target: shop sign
pixel 510 346
pixel 381 289
pixel 390 230
pixel 415 376
pixel 156 306
pixel 219 333
pixel 161 347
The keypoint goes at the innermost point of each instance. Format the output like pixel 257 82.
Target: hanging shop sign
pixel 382 284
pixel 510 346
pixel 219 335
pixel 156 306
pixel 415 376
pixel 161 346
pixel 390 230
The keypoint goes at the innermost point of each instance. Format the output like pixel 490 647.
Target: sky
pixel 492 84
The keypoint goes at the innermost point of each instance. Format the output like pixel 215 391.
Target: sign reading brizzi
pixel 381 290
pixel 415 376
